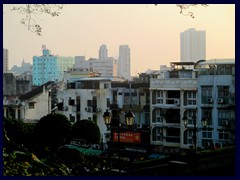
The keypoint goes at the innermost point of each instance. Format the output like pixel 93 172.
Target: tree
pixel 86 131
pixel 52 130
pixel 31 12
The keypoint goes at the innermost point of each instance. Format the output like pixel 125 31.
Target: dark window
pixel 31 105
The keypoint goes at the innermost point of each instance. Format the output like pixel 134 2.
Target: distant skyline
pixel 151 32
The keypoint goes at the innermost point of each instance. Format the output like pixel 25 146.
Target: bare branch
pixel 184 7
pixel 31 12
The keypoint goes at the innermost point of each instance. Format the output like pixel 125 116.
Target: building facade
pixel 193 91
pixel 5 60
pixel 49 67
pixel 103 52
pixel 216 101
pixel 192 45
pixel 124 62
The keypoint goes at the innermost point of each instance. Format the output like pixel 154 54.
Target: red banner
pixel 134 137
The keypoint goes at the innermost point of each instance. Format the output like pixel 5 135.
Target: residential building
pixel 124 62
pixel 205 89
pixel 5 60
pixel 86 98
pixel 49 67
pixel 192 45
pixel 216 101
pixel 31 106
pixel 14 86
pixel 171 95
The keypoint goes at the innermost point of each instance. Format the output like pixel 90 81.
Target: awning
pixel 86 151
pixel 156 156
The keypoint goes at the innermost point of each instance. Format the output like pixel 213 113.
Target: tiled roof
pixel 35 91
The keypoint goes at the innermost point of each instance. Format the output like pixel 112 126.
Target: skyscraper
pixel 103 52
pixel 5 60
pixel 124 66
pixel 193 45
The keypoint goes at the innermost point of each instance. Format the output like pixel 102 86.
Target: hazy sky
pixel 152 32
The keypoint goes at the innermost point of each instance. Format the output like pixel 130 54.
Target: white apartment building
pixel 171 95
pixel 87 98
pixel 192 45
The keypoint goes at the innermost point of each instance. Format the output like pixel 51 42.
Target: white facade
pixel 29 107
pixel 192 45
pixel 172 96
pixel 88 99
pixel 124 62
pixel 106 68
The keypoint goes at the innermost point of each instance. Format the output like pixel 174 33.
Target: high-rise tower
pixel 5 60
pixel 103 52
pixel 193 45
pixel 124 65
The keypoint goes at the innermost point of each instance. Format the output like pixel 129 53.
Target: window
pixel 207 91
pixel 72 118
pixel 191 102
pixel 191 94
pixel 223 114
pixel 31 105
pixel 190 114
pixel 157 134
pixel 108 102
pixel 207 134
pixel 159 93
pixel 223 135
pixel 159 101
pixel 106 86
pixel 223 91
pixel 208 113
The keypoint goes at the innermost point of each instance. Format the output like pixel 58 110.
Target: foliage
pixel 18 133
pixel 86 131
pixel 21 163
pixel 52 130
pixel 32 11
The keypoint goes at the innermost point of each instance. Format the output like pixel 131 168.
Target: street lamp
pixel 129 117
pixel 204 121
pixel 194 137
pixel 107 119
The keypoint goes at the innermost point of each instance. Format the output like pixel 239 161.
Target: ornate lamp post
pixel 129 117
pixel 204 124
pixel 205 121
pixel 194 137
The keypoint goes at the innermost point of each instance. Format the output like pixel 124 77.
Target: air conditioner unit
pixel 88 109
pixel 224 122
pixel 209 100
pixel 139 125
pixel 220 101
pixel 97 109
pixel 64 108
pixel 176 102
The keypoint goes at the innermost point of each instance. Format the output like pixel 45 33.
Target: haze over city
pixel 151 32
